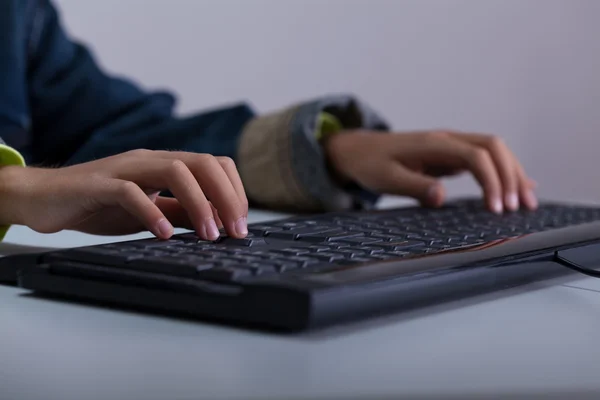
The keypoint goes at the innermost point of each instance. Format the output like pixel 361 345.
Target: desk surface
pixel 536 340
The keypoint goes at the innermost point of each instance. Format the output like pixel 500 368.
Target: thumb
pixel 427 190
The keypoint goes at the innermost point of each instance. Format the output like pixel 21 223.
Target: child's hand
pixel 119 195
pixel 408 164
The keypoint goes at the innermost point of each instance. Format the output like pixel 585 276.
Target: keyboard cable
pixel 575 266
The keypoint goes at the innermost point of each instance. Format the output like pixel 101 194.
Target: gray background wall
pixel 527 70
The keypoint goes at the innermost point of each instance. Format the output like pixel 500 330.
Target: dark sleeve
pixel 80 113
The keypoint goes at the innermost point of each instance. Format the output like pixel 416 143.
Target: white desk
pixel 540 340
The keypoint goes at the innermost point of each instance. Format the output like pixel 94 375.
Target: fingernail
pixel 434 195
pixel 531 199
pixel 241 226
pixel 512 201
pixel 212 232
pixel 497 206
pixel 165 228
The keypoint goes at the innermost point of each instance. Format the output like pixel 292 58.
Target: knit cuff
pixel 283 166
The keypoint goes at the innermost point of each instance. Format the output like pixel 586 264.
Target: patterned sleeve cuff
pixel 284 167
pixel 9 156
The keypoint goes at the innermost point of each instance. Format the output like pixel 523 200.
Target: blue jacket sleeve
pixel 80 113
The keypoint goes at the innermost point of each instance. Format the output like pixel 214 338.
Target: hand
pixel 408 164
pixel 119 195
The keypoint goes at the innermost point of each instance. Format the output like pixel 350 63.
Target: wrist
pixel 13 195
pixel 328 127
pixel 331 148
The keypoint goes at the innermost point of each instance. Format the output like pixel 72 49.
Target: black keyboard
pixel 294 273
pixel 305 245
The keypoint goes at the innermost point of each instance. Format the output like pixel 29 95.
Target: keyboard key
pixel 189 238
pixel 246 242
pixel 160 243
pixel 361 240
pixel 292 251
pixel 418 237
pixel 283 235
pixel 403 244
pixel 362 260
pixel 397 253
pixel 335 246
pixel 303 261
pixel 368 249
pixel 117 247
pixel 244 258
pixel 368 231
pixel 422 250
pixel 311 229
pixel 343 236
pixel 444 246
pixel 383 256
pixel 401 233
pixel 287 266
pixel 324 236
pixel 290 225
pixel 372 249
pixel 327 256
pixel 319 248
pixel 260 268
pixel 387 237
pixel 263 230
pixel 349 252
pixel 178 249
pixel 257 253
pixel 311 222
pixel 305 231
pixel 356 260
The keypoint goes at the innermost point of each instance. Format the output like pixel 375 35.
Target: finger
pixel 449 151
pixel 175 212
pixel 216 216
pixel 228 166
pixel 222 195
pixel 526 189
pixel 220 191
pixel 230 169
pixel 404 182
pixel 132 199
pixel 159 173
pixel 505 163
pixel 484 170
pixel 218 188
pixel 178 216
